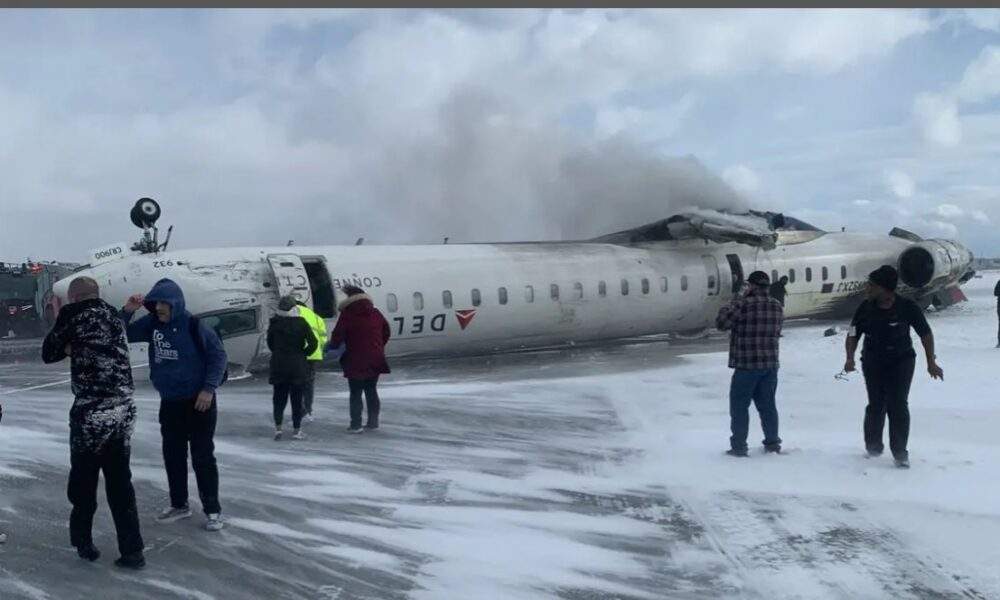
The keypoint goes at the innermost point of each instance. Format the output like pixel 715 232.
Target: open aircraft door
pixel 711 274
pixel 291 276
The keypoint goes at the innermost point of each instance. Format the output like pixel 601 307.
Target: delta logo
pixel 465 317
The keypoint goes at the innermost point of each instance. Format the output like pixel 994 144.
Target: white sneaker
pixel 277 434
pixel 299 435
pixel 171 514
pixel 309 418
pixel 355 430
pixel 214 522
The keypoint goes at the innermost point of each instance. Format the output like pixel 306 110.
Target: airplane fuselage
pixel 480 298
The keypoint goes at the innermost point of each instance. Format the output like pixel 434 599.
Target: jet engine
pixel 934 264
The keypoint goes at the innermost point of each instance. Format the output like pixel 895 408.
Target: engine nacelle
pixel 933 263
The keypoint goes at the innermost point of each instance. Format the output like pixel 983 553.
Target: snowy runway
pixel 583 474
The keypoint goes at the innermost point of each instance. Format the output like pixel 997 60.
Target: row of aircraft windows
pixel 447 300
pixel 824 272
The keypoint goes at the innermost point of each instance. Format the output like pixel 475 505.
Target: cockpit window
pixel 231 323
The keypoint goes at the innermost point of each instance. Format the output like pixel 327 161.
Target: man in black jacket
pixel 101 420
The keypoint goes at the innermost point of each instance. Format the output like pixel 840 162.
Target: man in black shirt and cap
pixel 888 360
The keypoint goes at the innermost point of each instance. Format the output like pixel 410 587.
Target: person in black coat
pixel 291 341
pixel 996 292
pixel 102 418
pixel 778 290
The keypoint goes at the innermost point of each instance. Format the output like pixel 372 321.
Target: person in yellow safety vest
pixel 318 327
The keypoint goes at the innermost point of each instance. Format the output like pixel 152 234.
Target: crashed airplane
pixel 461 299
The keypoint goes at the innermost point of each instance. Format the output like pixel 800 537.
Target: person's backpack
pixel 194 324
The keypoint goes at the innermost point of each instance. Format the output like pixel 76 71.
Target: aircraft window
pixel 578 290
pixel 624 287
pixel 418 301
pixel 684 283
pixel 791 275
pixel 645 285
pixel 446 299
pixel 602 289
pixel 231 323
pixel 774 276
pixel 843 272
pixel 554 291
pixel 477 298
pixel 826 274
pixel 529 293
pixel 809 274
pixel 390 303
pixel 664 285
pixel 502 295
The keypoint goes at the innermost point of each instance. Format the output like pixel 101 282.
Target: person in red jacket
pixel 364 332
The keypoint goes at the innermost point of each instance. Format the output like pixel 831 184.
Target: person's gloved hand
pixel 329 351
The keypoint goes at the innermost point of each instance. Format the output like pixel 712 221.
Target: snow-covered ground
pixel 589 473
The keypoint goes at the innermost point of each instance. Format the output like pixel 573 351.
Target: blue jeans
pixel 758 385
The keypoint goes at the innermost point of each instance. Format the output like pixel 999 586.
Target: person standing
pixel 3 536
pixel 364 332
pixel 888 360
pixel 754 321
pixel 996 292
pixel 291 341
pixel 101 420
pixel 318 327
pixel 187 363
pixel 779 290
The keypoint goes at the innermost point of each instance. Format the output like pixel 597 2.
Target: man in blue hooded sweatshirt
pixel 186 364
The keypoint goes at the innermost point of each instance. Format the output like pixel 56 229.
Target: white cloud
pixel 943 228
pixel 937 117
pixel 742 178
pixel 862 203
pixel 981 80
pixel 950 211
pixel 937 114
pixel 900 184
pixel 987 19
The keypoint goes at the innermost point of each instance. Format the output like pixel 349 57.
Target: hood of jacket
pixel 358 303
pixel 165 290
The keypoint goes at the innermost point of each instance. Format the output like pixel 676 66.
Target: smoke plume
pixel 485 170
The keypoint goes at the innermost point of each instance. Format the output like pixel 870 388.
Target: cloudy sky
pixel 256 127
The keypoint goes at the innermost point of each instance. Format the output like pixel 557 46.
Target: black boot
pixel 88 551
pixel 132 560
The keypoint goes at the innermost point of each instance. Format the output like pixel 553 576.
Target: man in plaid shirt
pixel 754 320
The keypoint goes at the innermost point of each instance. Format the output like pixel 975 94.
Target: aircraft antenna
pixel 166 242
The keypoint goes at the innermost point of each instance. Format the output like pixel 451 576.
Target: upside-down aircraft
pixel 460 299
